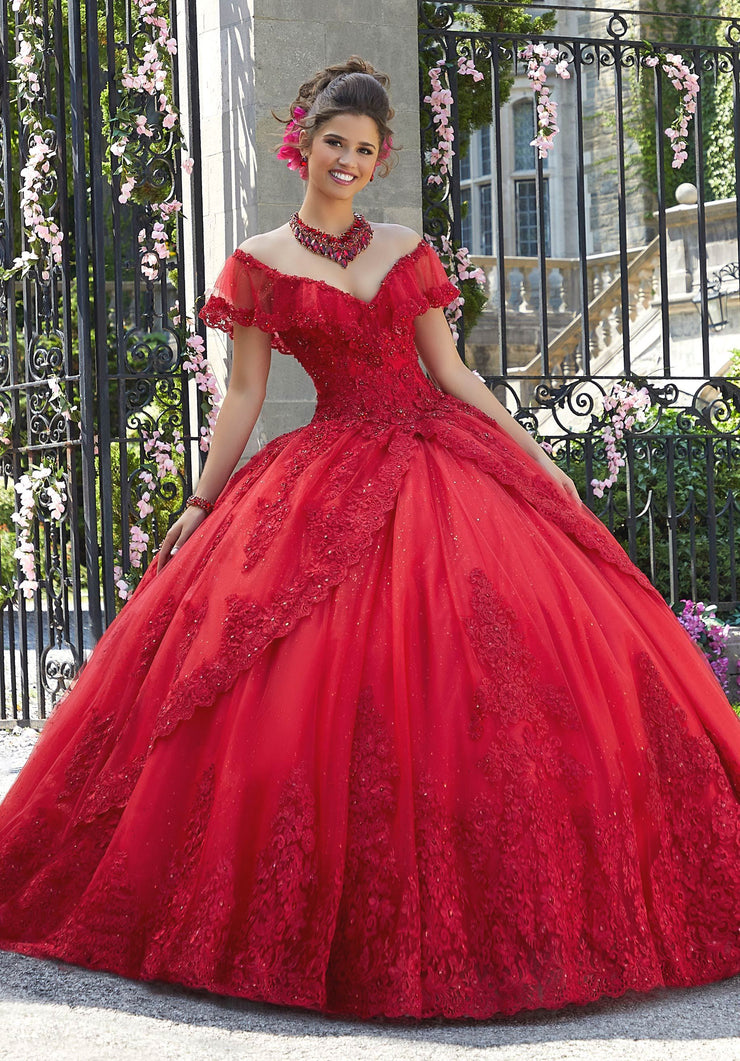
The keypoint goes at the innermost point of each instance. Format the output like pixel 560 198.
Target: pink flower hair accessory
pixel 385 150
pixel 289 149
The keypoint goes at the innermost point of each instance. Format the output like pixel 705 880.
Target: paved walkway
pixel 55 1012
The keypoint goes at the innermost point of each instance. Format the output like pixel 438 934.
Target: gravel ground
pixel 57 1012
pixel 15 747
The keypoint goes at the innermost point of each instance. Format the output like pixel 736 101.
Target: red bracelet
pixel 200 502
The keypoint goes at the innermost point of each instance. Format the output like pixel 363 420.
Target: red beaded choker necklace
pixel 342 249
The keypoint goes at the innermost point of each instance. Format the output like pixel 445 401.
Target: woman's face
pixel 342 157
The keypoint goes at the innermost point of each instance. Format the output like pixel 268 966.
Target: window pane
pixel 523 134
pixel 465 163
pixel 485 215
pixel 467 222
pixel 526 218
pixel 485 151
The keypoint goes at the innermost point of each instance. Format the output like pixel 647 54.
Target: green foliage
pixel 720 154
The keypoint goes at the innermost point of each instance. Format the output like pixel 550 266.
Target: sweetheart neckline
pixel 240 255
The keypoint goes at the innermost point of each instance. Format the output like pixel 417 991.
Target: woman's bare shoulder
pixel 267 246
pixel 399 239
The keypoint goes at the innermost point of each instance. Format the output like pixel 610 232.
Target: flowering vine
pixel 538 58
pixel 206 383
pixel 624 406
pixel 129 129
pixel 459 268
pixel 687 83
pixel 440 99
pixel 40 491
pixel 699 620
pixel 38 197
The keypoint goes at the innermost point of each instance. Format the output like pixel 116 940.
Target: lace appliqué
pixel 335 540
pixel 87 750
pixel 282 945
pixel 512 690
pixel 374 965
pixel 152 637
pixel 695 878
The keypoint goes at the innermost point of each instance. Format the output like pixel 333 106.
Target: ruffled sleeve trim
pixel 249 292
pixel 432 282
pixel 239 296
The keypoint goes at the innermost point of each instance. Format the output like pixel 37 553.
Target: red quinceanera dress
pixel 400 731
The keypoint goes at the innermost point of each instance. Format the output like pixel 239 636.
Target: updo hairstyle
pixel 353 87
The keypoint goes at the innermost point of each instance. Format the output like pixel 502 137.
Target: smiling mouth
pixel 343 178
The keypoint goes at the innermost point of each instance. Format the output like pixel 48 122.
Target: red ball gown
pixel 399 731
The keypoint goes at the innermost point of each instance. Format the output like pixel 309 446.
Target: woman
pixel 393 726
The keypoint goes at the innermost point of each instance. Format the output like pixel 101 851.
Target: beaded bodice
pixel 360 354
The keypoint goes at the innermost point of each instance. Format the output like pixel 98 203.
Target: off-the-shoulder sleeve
pixel 242 293
pixel 431 277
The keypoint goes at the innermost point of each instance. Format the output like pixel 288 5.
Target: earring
pixel 304 161
pixel 372 176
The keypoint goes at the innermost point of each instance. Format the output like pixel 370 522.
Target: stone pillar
pixel 253 58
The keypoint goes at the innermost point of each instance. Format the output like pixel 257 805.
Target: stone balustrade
pixel 565 353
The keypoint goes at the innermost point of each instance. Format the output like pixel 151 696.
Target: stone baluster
pixel 556 291
pixel 517 301
pixel 533 286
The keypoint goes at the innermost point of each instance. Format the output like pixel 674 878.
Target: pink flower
pixel 126 188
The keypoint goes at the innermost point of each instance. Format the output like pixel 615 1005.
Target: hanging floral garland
pixel 624 406
pixel 42 491
pixel 38 199
pixel 460 266
pixel 42 495
pixel 538 58
pixel 128 130
pixel 687 83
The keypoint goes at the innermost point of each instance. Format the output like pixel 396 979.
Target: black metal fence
pixel 601 284
pixel 92 386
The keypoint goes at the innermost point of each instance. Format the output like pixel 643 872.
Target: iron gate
pixel 94 396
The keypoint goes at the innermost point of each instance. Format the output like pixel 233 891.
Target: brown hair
pixel 353 87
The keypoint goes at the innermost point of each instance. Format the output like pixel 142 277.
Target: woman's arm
pixel 439 354
pixel 237 416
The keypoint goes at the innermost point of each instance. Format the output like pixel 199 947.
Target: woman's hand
pixel 179 533
pixel 561 479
